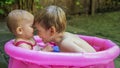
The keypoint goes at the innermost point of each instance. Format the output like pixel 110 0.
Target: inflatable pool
pixel 106 53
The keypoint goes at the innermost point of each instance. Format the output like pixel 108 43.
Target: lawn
pixel 105 25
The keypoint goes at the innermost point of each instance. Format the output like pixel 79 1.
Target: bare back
pixel 72 43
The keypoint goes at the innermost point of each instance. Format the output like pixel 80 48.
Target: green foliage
pixel 108 6
pixel 38 6
pixel 6 2
pixel 78 3
pixel 1 11
pixel 4 5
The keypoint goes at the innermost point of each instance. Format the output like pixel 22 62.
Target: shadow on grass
pixel 4 37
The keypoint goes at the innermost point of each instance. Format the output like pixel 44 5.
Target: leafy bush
pixel 5 6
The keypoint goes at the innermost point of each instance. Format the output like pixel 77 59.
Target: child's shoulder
pixel 69 35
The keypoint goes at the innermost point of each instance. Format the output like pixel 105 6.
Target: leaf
pixel 1 11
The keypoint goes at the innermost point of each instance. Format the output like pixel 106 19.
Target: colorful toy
pixel 106 53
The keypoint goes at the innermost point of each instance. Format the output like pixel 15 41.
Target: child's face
pixel 44 34
pixel 27 28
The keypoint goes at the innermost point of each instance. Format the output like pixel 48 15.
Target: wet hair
pixel 51 16
pixel 15 17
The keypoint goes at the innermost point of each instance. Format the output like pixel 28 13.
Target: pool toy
pixel 107 52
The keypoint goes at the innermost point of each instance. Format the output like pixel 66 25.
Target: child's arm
pixel 37 48
pixel 48 48
pixel 43 47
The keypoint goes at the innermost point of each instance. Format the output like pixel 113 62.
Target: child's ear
pixel 52 30
pixel 19 30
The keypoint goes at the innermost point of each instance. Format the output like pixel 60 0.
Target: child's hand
pixel 37 48
pixel 48 48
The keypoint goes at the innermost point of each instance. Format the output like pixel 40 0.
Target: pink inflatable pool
pixel 106 53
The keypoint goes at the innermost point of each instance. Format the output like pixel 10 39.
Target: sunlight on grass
pixel 75 30
pixel 117 63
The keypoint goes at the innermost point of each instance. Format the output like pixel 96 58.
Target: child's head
pixel 52 16
pixel 20 23
pixel 50 20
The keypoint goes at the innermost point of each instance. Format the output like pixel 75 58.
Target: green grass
pixel 4 37
pixel 102 25
pixel 105 25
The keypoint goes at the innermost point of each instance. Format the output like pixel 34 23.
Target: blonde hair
pixel 15 17
pixel 52 16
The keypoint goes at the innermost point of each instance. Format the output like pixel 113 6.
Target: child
pixel 51 23
pixel 20 23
